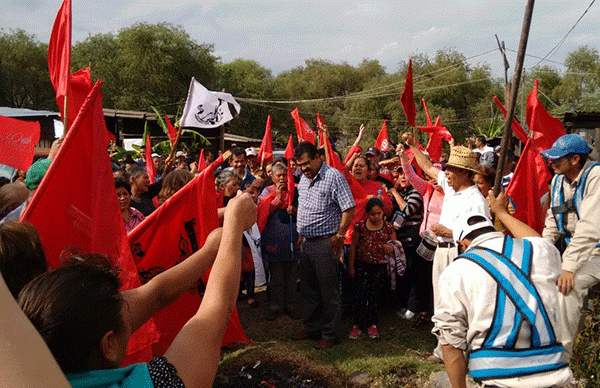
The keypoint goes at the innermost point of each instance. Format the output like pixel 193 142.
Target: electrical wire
pixel 567 34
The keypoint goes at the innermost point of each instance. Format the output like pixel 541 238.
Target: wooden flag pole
pixel 513 96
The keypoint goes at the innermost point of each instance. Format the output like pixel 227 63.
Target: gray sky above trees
pixel 280 34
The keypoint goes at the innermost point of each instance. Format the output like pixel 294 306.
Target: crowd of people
pixel 332 241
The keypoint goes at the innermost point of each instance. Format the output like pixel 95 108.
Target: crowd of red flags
pixel 89 218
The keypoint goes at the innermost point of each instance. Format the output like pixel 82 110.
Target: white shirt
pixel 483 150
pixel 464 313
pixel 455 204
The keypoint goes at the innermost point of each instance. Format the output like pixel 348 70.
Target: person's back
pixel 498 302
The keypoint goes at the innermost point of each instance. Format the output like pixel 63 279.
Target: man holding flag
pixel 572 220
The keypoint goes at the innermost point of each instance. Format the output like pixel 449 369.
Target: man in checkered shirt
pixel 325 211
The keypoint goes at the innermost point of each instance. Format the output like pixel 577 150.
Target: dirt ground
pixel 272 360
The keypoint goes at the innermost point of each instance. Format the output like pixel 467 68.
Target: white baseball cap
pixel 467 223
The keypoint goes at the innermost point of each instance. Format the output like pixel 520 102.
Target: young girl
pixel 370 245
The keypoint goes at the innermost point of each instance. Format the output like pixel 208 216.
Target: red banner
pixel 17 142
pixel 168 236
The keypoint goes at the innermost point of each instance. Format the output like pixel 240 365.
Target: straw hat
pixel 462 157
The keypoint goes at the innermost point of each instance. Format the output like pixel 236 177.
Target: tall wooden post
pixel 513 95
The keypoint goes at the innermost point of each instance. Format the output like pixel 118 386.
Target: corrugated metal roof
pixel 22 112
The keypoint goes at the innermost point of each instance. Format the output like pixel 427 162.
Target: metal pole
pixel 513 95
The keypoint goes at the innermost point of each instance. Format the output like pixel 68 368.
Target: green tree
pixel 24 78
pixel 248 79
pixel 146 65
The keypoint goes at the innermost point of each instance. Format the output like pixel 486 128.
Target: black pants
pixel 369 282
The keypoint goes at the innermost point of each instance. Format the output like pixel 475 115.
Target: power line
pixel 567 34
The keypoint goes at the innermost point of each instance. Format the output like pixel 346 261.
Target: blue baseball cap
pixel 567 145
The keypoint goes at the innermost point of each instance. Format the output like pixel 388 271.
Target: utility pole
pixel 513 95
pixel 507 84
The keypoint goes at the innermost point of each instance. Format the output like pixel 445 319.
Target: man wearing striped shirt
pixel 325 211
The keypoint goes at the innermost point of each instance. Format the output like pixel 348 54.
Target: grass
pixel 397 359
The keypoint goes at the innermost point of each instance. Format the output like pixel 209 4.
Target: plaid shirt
pixel 322 201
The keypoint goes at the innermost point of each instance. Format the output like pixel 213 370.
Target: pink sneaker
pixel 373 333
pixel 355 332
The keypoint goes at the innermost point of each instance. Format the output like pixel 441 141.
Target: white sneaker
pixel 408 315
pixel 402 312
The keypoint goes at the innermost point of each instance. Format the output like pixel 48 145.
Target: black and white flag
pixel 206 109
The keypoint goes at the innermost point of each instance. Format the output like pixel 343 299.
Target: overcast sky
pixel 281 35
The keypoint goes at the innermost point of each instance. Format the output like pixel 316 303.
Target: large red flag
pixel 265 153
pixel 168 236
pixel 516 126
pixel 383 141
pixel 527 186
pixel 150 169
pixel 59 50
pixel 171 130
pixel 289 154
pixel 321 124
pixel 303 130
pixel 407 99
pixel 17 142
pixel 546 128
pixel 201 161
pixel 75 208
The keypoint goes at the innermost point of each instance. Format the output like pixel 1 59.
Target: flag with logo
pixel 178 228
pixel 206 109
pixel 303 130
pixel 383 141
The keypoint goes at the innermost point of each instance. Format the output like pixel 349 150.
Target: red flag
pixel 171 130
pixel 185 220
pixel 17 142
pixel 59 50
pixel 383 141
pixel 150 169
pixel 436 133
pixel 88 219
pixel 303 130
pixel 527 186
pixel 79 86
pixel 516 126
pixel 321 124
pixel 265 153
pixel 429 122
pixel 201 161
pixel 289 154
pixel 545 127
pixel 407 99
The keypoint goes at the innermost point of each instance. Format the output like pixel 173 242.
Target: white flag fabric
pixel 206 109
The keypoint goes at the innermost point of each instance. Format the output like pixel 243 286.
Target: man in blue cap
pixel 572 222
